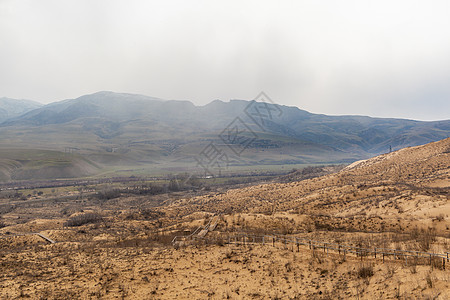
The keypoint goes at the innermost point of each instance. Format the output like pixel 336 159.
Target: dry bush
pixel 391 269
pixel 429 280
pixel 436 263
pixel 6 209
pixel 413 268
pixel 230 254
pixel 440 217
pixel 108 194
pixel 426 238
pixel 83 219
pixel 316 257
pixel 365 271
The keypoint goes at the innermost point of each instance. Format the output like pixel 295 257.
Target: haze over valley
pixel 114 134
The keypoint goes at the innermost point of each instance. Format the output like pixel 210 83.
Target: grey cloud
pixel 379 58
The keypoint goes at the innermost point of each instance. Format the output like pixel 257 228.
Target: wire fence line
pixel 28 234
pixel 414 257
pixel 200 232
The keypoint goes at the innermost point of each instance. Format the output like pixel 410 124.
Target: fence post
pixel 406 260
pixel 430 261
pixel 443 263
pixel 383 257
pixel 375 252
pixel 298 245
pixel 263 240
pixel 310 247
pixel 273 241
pixel 339 249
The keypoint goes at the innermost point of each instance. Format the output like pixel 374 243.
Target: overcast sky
pixel 377 58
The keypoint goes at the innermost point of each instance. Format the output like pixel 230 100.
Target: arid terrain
pixel 123 246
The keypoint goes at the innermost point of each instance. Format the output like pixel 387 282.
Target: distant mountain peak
pixel 12 108
pixel 107 114
pixel 120 95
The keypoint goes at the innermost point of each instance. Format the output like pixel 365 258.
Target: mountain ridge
pixel 146 131
pixel 11 108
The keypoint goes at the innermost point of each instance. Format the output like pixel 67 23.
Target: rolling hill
pixel 25 164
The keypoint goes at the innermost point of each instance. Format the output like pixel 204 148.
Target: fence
pixel 27 234
pixel 434 259
pixel 201 231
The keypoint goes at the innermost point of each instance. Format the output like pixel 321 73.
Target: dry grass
pixel 399 200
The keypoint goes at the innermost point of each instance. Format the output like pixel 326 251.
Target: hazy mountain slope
pixel 348 133
pixel 11 108
pixel 111 106
pixel 24 164
pixel 135 130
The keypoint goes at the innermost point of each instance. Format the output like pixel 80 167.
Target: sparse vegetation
pixel 365 271
pixel 83 219
pixel 116 237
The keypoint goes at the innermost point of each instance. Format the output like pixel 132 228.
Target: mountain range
pixel 116 132
pixel 11 108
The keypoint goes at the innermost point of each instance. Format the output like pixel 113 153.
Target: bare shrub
pixel 423 237
pixel 440 217
pixel 427 238
pixel 316 257
pixel 108 194
pixel 288 267
pixel 6 209
pixel 391 269
pixel 429 280
pixel 83 219
pixel 230 254
pixel 365 271
pixel 413 268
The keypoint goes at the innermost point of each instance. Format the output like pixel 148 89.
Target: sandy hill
pixel 122 247
pixel 398 190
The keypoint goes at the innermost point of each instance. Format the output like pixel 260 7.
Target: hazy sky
pixel 377 58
